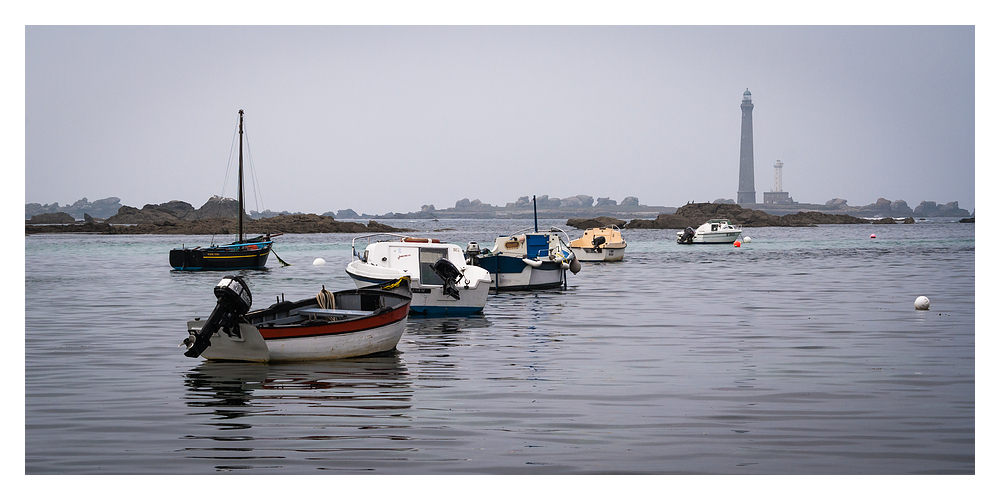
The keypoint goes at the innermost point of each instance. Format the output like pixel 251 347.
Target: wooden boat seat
pixel 332 312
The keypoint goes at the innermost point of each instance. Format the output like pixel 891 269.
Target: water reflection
pixel 302 404
pixel 439 345
pixel 227 385
pixel 445 331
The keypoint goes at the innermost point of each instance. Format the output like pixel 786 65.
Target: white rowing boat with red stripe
pixel 331 325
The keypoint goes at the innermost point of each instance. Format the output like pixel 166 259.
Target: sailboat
pixel 241 254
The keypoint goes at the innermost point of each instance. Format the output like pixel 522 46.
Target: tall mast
pixel 535 205
pixel 241 177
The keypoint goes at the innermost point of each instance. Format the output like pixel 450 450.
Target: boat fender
pixel 234 301
pixel 574 265
pixel 532 262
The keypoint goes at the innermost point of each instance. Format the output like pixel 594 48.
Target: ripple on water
pixel 799 353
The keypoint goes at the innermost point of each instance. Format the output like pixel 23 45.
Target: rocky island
pixel 695 214
pixel 216 216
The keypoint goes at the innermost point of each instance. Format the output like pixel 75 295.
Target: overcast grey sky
pixel 390 118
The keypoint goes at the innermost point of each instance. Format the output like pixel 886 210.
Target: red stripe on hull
pixel 360 324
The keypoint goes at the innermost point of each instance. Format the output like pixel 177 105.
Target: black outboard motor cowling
pixel 688 236
pixel 598 241
pixel 450 274
pixel 234 301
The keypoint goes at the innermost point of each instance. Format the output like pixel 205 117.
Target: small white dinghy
pixel 330 325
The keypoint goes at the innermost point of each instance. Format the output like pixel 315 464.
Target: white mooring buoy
pixel 922 303
pixel 746 239
pixel 319 261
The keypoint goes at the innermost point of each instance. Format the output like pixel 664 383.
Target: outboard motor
pixel 445 269
pixel 234 301
pixel 472 253
pixel 598 241
pixel 688 236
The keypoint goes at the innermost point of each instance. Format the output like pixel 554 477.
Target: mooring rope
pixel 325 299
pixel 283 263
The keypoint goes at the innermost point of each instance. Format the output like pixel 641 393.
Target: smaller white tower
pixel 777 196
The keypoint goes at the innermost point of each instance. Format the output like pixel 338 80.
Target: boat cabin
pixel 413 257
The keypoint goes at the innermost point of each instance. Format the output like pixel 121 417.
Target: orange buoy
pixel 736 244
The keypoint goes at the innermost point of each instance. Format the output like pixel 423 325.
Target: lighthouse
pixel 746 192
pixel 777 196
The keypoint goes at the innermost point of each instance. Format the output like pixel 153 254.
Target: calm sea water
pixel 799 353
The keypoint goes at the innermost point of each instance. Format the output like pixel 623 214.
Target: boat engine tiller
pixel 450 274
pixel 234 301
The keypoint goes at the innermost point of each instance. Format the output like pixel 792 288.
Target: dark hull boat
pixel 248 255
pixel 331 325
pixel 241 254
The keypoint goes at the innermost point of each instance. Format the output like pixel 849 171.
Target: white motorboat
pixel 442 283
pixel 713 231
pixel 330 325
pixel 603 244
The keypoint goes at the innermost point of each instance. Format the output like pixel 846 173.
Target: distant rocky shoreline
pixel 292 224
pixel 579 206
pixel 695 214
pixel 218 216
pixel 157 219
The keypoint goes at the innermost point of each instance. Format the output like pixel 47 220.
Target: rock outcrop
pixel 295 224
pixel 56 218
pixel 884 220
pixel 932 209
pixel 884 208
pixel 595 222
pixel 695 214
pixel 176 211
pixel 100 208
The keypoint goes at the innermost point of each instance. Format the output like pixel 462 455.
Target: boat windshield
pixel 429 256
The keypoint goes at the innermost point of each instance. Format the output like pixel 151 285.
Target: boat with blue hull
pixel 241 254
pixel 527 260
